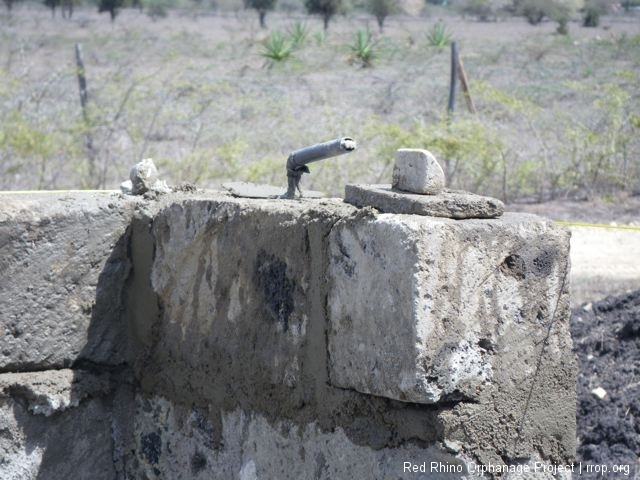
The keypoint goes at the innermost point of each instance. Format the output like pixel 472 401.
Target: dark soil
pixel 606 337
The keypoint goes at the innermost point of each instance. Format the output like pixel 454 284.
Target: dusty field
pixel 193 92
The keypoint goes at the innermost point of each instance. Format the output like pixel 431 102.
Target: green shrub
pixel 439 36
pixel 381 9
pixel 111 6
pixel 480 9
pixel 276 48
pixel 298 34
pixel 536 10
pixel 363 48
pixel 562 15
pixel 563 28
pixel 591 16
pixel 156 8
pixel 326 8
pixel 262 7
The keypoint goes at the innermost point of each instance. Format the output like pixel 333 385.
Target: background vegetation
pixel 211 96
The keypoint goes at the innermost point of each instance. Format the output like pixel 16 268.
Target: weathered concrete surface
pixel 48 392
pixel 221 306
pixel 447 203
pixel 241 288
pixel 175 441
pixel 236 286
pixel 59 425
pixel 417 171
pixel 63 260
pixel 434 310
pixel 252 190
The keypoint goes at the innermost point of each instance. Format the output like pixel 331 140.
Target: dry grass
pixel 195 95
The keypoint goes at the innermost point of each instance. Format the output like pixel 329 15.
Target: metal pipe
pixel 454 79
pixel 298 159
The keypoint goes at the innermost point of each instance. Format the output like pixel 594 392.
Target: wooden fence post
pixel 84 98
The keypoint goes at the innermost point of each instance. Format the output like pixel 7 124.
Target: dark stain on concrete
pixel 198 463
pixel 543 263
pixel 514 265
pixel 272 281
pixel 151 446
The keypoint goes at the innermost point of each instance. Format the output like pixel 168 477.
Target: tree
pixel 67 8
pixel 9 4
pixel 381 9
pixel 111 6
pixel 326 8
pixel 262 7
pixel 52 4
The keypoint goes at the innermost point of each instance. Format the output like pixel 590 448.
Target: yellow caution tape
pixel 598 225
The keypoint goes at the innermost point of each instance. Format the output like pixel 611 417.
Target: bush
pixel 562 29
pixel 298 34
pixel 363 48
pixel 439 36
pixel 591 16
pixel 480 9
pixel 262 7
pixel 381 9
pixel 562 15
pixel 536 10
pixel 276 48
pixel 326 8
pixel 156 8
pixel 111 6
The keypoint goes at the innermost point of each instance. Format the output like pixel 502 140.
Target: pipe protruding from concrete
pixel 298 159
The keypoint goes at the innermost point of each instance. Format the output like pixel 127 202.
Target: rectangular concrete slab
pixel 473 313
pixel 446 203
pixel 64 262
pixel 427 310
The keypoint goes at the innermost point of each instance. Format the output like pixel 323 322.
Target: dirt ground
pixel 605 260
pixel 606 337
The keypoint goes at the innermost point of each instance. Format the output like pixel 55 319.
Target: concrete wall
pixel 256 339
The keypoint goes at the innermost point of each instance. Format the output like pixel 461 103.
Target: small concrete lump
pixel 143 178
pixel 417 171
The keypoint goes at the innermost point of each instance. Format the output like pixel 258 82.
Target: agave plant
pixel 363 48
pixel 276 48
pixel 298 34
pixel 439 36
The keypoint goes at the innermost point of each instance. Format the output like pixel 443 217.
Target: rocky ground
pixel 606 337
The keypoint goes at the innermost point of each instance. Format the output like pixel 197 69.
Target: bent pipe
pixel 298 159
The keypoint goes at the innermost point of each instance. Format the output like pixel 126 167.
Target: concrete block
pixel 64 263
pixel 53 391
pixel 417 171
pixel 174 440
pixel 58 425
pixel 447 203
pixel 238 281
pixel 431 310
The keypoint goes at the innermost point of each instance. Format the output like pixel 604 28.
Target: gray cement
pixel 64 262
pixel 224 317
pixel 447 203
